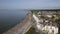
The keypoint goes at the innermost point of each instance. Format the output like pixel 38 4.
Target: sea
pixel 10 18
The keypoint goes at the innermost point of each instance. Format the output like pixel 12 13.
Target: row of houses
pixel 45 25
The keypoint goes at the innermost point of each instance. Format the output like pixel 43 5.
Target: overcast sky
pixel 29 4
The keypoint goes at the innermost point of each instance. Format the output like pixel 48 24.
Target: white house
pixel 47 28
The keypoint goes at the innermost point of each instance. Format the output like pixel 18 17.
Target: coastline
pixel 19 27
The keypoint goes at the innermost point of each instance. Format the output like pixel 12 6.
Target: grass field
pixel 32 31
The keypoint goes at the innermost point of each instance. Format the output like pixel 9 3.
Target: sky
pixel 29 4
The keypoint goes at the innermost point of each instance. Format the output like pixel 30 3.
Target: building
pixel 46 25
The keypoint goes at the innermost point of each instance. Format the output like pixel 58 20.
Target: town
pixel 46 21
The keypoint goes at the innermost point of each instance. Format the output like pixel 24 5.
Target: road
pixel 39 26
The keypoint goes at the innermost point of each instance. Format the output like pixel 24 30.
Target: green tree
pixel 58 21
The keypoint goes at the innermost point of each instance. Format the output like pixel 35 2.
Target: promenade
pixel 22 27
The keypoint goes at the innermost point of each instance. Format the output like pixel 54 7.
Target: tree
pixel 58 21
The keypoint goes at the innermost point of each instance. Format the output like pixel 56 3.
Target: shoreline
pixel 17 29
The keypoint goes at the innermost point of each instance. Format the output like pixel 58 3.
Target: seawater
pixel 10 18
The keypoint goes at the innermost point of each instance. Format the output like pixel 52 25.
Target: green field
pixel 34 11
pixel 32 31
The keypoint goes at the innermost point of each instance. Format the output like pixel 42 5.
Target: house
pixel 46 26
